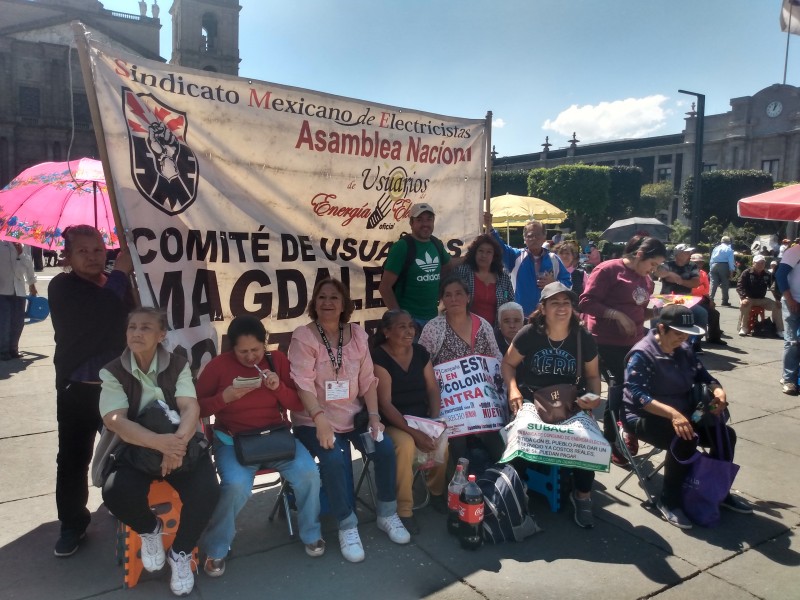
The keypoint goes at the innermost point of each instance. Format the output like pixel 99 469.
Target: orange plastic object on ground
pixel 165 502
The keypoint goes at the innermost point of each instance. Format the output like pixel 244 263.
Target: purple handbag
pixel 709 479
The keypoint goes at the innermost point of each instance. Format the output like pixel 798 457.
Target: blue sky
pixel 607 69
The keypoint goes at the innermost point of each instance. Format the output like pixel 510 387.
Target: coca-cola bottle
pixel 470 514
pixel 453 495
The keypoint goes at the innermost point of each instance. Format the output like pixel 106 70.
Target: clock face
pixel 774 108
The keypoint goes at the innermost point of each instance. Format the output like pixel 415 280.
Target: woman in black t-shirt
pixel 548 348
pixel 406 386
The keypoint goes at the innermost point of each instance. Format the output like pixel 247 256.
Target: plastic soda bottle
pixel 453 495
pixel 470 513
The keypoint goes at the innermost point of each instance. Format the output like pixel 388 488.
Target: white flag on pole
pixel 790 16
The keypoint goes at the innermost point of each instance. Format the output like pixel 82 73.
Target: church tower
pixel 205 35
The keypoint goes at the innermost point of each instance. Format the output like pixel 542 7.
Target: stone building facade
pixel 44 105
pixel 759 132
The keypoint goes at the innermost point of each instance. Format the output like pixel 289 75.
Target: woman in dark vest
pixel 147 373
pixel 661 371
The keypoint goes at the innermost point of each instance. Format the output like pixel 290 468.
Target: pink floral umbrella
pixel 47 198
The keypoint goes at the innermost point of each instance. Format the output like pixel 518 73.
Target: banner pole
pixel 82 46
pixel 488 167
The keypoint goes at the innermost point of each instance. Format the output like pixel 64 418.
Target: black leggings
pixel 612 364
pixel 125 495
pixel 658 431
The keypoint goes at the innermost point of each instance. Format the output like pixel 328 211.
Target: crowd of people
pixel 541 317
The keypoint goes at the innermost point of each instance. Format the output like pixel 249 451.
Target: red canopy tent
pixel 782 204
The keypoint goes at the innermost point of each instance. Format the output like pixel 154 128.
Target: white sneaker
pixel 153 549
pixel 350 544
pixel 182 580
pixel 394 528
pixel 742 332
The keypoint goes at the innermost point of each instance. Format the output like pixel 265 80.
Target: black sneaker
pixel 411 525
pixel 717 342
pixel 68 543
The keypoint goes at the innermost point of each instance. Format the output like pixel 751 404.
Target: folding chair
pixel 639 465
pixel 285 495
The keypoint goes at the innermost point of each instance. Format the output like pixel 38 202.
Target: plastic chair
pixel 37 310
pixel 546 480
pixel 165 502
pixel 756 315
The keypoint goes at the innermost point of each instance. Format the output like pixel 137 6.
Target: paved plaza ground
pixel 631 553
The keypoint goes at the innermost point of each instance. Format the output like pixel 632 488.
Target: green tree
pixel 680 232
pixel 580 190
pixel 655 197
pixel 712 230
pixel 721 190
pixel 509 182
pixel 623 194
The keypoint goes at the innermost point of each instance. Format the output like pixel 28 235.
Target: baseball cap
pixel 679 318
pixel 421 207
pixel 551 289
pixel 683 248
pixel 759 258
pixel 696 258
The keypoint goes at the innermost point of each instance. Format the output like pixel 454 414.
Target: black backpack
pixel 764 328
pixel 505 516
pixel 411 254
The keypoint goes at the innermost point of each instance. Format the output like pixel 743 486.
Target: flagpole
pixel 788 35
pixel 487 191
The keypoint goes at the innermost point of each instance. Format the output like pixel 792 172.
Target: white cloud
pixel 629 118
pixel 498 123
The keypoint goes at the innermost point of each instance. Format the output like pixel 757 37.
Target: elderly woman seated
pixel 148 376
pixel 661 371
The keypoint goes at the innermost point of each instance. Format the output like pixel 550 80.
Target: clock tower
pixel 205 35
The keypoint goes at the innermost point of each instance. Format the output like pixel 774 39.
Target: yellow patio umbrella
pixel 515 211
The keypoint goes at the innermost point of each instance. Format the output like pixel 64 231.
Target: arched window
pixel 209 31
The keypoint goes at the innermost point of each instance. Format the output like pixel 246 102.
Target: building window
pixel 29 102
pixel 665 159
pixel 710 166
pixel 80 108
pixel 664 174
pixel 209 32
pixel 771 167
pixel 624 161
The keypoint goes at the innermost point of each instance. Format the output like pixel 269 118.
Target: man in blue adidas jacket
pixel 531 268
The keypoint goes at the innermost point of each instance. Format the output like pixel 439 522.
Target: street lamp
pixel 698 162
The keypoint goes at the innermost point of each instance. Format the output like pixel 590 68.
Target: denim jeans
pixel 332 466
pixel 236 487
pixel 791 321
pixel 12 319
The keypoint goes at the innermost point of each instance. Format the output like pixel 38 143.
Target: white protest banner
pixel 473 400
pixel 236 195
pixel 576 442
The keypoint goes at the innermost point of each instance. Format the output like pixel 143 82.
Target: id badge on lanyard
pixel 335 389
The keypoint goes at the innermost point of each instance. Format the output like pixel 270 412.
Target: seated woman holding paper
pixel 407 387
pixel 147 383
pixel 249 389
pixel 550 349
pixel 332 369
pixel 456 335
pixel 657 402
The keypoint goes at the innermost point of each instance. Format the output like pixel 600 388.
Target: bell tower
pixel 205 35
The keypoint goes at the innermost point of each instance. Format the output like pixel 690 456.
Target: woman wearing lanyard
pixel 334 384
